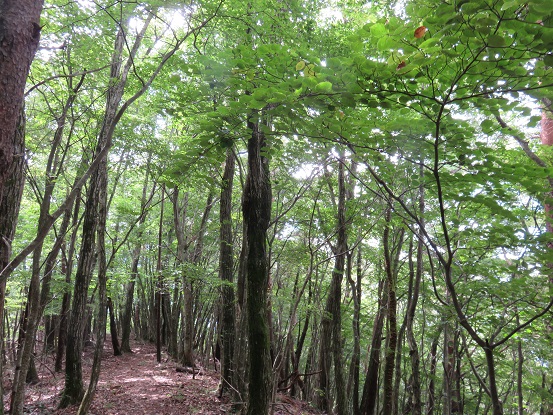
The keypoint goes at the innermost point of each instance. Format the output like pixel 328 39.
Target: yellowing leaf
pixel 300 65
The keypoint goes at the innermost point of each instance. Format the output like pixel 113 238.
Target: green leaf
pixel 548 60
pixel 378 30
pixel 487 126
pixel 324 87
pixel 510 4
pixel 496 41
pixel 259 94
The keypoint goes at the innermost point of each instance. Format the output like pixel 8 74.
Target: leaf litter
pixel 135 384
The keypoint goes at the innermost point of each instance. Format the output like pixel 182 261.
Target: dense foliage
pixel 406 262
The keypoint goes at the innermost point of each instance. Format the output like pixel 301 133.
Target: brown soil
pixel 135 384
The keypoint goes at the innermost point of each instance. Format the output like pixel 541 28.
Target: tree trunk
pixel 520 373
pixel 32 311
pixel 67 268
pixel 102 291
pixel 226 269
pixel 73 391
pixel 241 351
pixel 37 297
pixel 331 323
pixel 256 207
pixel 129 297
pixel 370 388
pixel 19 37
pixel 391 337
pixel 113 329
pixel 414 402
pixel 9 211
pixel 431 403
pixel 188 346
pixel 355 360
pixel 335 307
pixel 159 283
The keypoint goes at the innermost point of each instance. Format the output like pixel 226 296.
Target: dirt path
pixel 134 384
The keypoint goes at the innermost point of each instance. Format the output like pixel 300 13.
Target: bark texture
pixel 19 37
pixel 9 211
pixel 11 197
pixel 256 207
pixel 226 269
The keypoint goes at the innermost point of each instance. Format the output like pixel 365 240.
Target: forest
pixel 348 203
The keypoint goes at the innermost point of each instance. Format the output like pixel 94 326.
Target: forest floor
pixel 135 384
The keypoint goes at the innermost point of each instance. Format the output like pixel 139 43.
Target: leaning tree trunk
pixel 256 207
pixel 19 37
pixel 102 291
pixel 226 269
pixel 37 297
pixel 74 390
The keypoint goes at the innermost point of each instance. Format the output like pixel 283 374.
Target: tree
pixel 19 37
pixel 256 208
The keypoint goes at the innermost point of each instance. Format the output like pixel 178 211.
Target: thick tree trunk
pixel 226 270
pixel 19 37
pixel 256 207
pixel 9 211
pixel 128 310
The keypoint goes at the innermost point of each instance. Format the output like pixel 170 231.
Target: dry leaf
pixel 420 32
